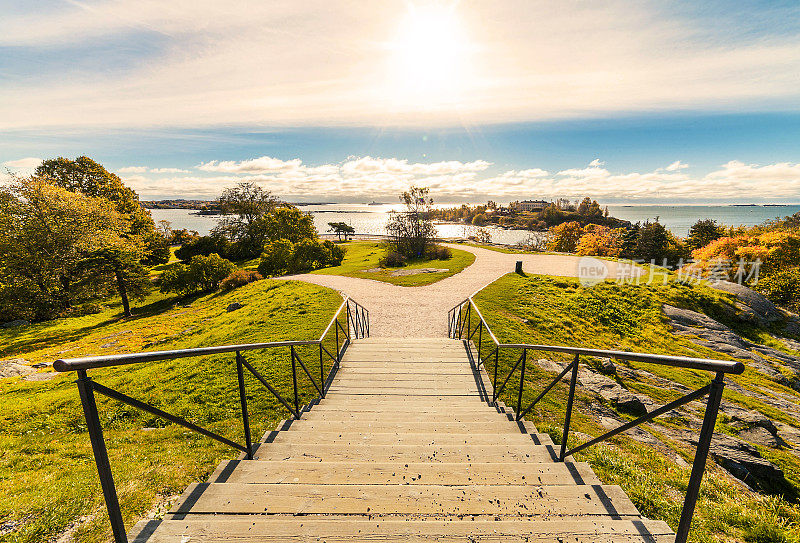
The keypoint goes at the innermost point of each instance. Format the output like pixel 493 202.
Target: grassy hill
pixel 48 480
pixel 652 466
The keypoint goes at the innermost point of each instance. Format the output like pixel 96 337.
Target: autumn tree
pixel 46 233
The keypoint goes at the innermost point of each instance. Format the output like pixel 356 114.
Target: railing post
pixel 521 382
pixel 570 400
pixel 321 370
pixel 700 457
pixel 101 457
pixel 294 383
pixel 336 329
pixel 494 383
pixel 469 318
pixel 480 334
pixel 347 319
pixel 243 401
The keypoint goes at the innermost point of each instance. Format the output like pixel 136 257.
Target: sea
pixel 372 218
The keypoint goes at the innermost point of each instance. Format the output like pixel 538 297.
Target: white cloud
pixel 168 170
pixel 364 178
pixel 676 166
pixel 244 62
pixel 133 169
pixel 596 163
pixel 262 164
pixel 781 171
pixel 24 163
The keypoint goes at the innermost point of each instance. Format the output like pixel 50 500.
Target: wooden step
pixel 405 453
pixel 431 426
pixel 313 438
pixel 479 473
pixel 267 529
pixel 516 500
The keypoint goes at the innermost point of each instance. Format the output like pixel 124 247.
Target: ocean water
pixel 371 219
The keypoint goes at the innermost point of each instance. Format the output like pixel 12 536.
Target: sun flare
pixel 429 61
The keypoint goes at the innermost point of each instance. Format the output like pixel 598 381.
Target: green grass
pixel 549 310
pixel 48 479
pixel 364 255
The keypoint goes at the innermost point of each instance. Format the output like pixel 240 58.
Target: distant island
pixel 205 207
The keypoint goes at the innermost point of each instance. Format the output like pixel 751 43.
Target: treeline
pixel 765 257
pixel 586 211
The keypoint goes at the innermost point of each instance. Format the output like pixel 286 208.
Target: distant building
pixel 529 205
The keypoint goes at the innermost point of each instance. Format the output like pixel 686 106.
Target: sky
pixel 627 102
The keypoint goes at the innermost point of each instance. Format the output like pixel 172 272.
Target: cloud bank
pixel 359 179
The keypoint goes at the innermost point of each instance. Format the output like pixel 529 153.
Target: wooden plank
pixel 479 473
pixel 430 426
pixel 405 453
pixel 518 500
pixel 313 438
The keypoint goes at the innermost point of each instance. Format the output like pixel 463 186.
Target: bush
pixel 276 258
pixel 564 237
pixel 438 252
pixel 393 259
pixel 204 246
pixel 782 288
pixel 240 278
pixel 282 256
pixel 202 274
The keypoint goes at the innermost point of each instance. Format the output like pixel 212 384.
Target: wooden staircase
pixel 404 448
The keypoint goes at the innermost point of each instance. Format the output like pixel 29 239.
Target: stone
pixel 15 324
pixel 763 309
pixel 417 271
pixel 626 401
pixel 743 461
pixel 14 367
pixel 234 306
pixel 761 436
pixel 607 367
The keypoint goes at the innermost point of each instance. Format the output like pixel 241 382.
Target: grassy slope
pixel 628 317
pixel 364 255
pixel 47 474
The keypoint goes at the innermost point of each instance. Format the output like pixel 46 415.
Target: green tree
pixel 412 230
pixel 703 232
pixel 276 258
pixel 341 229
pixel 45 234
pixel 120 264
pixel 90 178
pixel 287 223
pixel 243 207
pixel 202 274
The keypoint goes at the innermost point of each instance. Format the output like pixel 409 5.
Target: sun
pixel 429 63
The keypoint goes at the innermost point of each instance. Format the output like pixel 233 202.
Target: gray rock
pixel 626 401
pixel 14 367
pixel 763 309
pixel 234 306
pixel 607 367
pixel 744 462
pixel 14 324
pixel 761 436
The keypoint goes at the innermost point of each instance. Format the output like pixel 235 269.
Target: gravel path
pixel 422 311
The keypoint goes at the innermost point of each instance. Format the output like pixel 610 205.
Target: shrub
pixel 393 259
pixel 240 278
pixel 438 252
pixel 564 237
pixel 202 274
pixel 782 288
pixel 276 258
pixel 311 254
pixel 204 246
pixel 283 256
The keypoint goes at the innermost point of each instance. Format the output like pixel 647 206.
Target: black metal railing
pixel 465 321
pixel 356 326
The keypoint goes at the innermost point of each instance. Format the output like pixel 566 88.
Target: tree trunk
pixel 123 292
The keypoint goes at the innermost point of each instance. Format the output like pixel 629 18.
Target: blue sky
pixel 639 102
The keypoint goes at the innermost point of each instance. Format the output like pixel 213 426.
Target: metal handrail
pixel 459 326
pixel 357 326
